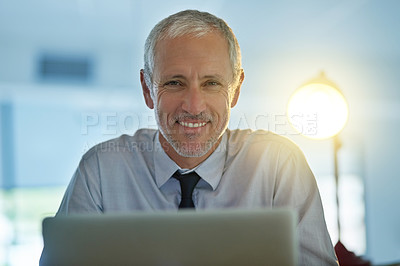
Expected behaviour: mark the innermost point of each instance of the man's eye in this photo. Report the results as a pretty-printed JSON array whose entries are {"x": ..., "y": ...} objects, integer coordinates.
[
  {"x": 212, "y": 86},
  {"x": 212, "y": 83},
  {"x": 172, "y": 83}
]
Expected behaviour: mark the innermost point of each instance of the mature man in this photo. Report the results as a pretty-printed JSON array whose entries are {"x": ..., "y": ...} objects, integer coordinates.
[{"x": 191, "y": 78}]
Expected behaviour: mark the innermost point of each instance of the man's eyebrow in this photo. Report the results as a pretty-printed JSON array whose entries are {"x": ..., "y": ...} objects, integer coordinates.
[
  {"x": 173, "y": 77},
  {"x": 216, "y": 76},
  {"x": 213, "y": 76},
  {"x": 180, "y": 76}
]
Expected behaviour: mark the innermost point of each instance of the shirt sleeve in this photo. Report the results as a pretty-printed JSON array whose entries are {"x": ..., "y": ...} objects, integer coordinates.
[
  {"x": 296, "y": 187},
  {"x": 83, "y": 194}
]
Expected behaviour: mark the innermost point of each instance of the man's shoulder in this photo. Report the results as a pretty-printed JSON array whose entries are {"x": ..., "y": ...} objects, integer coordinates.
[
  {"x": 259, "y": 139},
  {"x": 258, "y": 136},
  {"x": 142, "y": 140},
  {"x": 256, "y": 145}
]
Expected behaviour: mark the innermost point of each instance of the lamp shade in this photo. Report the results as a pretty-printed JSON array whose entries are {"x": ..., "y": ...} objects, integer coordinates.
[{"x": 318, "y": 109}]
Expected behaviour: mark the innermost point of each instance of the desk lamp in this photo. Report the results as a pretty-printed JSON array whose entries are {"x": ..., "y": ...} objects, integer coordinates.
[{"x": 322, "y": 100}]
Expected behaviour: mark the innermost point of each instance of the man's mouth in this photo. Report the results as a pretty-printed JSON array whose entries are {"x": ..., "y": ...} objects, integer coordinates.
[{"x": 191, "y": 124}]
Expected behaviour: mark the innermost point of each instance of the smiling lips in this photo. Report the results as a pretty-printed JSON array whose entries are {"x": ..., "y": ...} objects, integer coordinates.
[{"x": 192, "y": 125}]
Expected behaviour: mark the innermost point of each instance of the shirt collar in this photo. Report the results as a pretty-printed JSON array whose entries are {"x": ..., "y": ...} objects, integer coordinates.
[
  {"x": 210, "y": 170},
  {"x": 163, "y": 165}
]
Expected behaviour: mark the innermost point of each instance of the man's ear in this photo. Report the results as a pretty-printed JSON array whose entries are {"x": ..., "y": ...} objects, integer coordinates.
[
  {"x": 237, "y": 89},
  {"x": 146, "y": 91}
]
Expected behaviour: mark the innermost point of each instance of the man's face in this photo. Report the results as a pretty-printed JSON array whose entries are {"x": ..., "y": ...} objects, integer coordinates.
[{"x": 192, "y": 83}]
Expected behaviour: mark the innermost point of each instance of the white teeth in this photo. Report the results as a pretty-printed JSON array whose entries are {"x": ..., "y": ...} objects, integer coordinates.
[{"x": 185, "y": 124}]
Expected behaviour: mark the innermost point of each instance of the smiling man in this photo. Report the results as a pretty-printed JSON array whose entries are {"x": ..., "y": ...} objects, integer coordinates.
[
  {"x": 192, "y": 78},
  {"x": 192, "y": 88}
]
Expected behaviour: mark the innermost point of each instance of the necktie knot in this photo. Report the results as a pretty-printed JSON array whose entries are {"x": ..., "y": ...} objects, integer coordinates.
[{"x": 188, "y": 182}]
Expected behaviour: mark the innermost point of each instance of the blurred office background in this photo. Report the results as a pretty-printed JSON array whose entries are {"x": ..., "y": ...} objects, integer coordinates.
[{"x": 69, "y": 79}]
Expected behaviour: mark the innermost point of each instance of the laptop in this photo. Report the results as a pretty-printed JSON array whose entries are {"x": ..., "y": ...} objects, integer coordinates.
[{"x": 217, "y": 237}]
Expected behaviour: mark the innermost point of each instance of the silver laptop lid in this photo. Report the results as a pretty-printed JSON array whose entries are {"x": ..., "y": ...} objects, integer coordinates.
[{"x": 218, "y": 237}]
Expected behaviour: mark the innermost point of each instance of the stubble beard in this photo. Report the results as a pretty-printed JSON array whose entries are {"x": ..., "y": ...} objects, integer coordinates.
[{"x": 188, "y": 148}]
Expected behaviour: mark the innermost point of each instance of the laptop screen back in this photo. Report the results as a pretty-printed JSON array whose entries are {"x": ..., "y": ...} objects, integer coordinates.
[{"x": 218, "y": 237}]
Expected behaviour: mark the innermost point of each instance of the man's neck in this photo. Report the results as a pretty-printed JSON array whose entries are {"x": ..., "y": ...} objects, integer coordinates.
[{"x": 181, "y": 161}]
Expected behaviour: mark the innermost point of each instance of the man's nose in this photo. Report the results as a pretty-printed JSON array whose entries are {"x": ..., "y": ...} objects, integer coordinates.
[{"x": 194, "y": 100}]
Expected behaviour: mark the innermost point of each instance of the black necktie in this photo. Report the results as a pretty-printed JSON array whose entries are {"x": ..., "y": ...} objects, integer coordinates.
[{"x": 188, "y": 182}]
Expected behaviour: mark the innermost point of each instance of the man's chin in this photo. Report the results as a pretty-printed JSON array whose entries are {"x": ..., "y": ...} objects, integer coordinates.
[
  {"x": 190, "y": 154},
  {"x": 192, "y": 150},
  {"x": 190, "y": 146}
]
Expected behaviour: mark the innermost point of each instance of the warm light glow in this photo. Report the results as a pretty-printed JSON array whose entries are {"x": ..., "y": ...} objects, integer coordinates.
[{"x": 317, "y": 110}]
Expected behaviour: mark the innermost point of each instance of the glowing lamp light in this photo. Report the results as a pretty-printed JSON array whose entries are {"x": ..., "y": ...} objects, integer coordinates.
[
  {"x": 320, "y": 103},
  {"x": 318, "y": 109}
]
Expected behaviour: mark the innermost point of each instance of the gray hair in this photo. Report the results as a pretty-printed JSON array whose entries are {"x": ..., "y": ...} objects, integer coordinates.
[{"x": 195, "y": 23}]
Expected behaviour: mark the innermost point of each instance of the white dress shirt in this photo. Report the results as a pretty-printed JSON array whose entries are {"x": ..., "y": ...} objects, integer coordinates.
[{"x": 249, "y": 169}]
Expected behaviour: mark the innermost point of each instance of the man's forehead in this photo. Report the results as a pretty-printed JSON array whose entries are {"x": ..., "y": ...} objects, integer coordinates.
[
  {"x": 208, "y": 53},
  {"x": 214, "y": 36}
]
